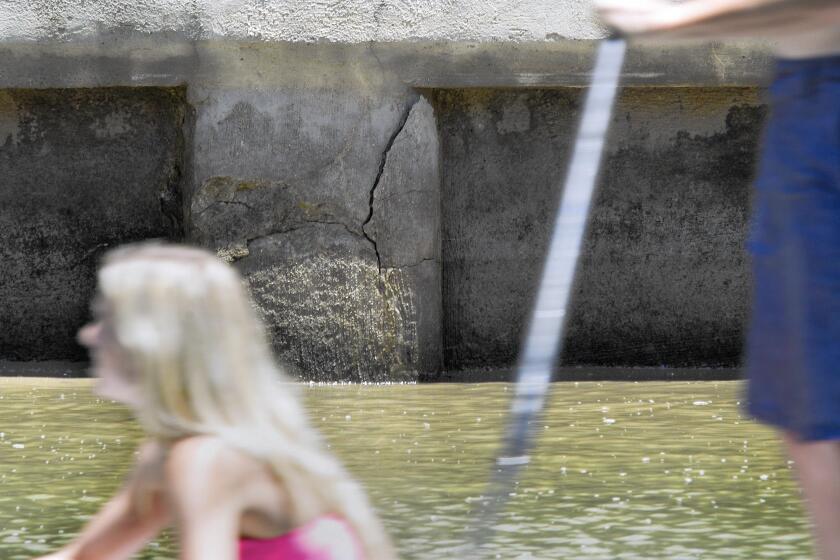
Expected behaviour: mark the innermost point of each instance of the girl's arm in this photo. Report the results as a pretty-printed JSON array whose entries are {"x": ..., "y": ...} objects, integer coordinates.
[
  {"x": 711, "y": 19},
  {"x": 119, "y": 529}
]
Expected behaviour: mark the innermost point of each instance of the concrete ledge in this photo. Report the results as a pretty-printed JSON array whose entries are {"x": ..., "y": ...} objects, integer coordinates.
[
  {"x": 44, "y": 369},
  {"x": 168, "y": 59},
  {"x": 570, "y": 63},
  {"x": 583, "y": 373},
  {"x": 594, "y": 373}
]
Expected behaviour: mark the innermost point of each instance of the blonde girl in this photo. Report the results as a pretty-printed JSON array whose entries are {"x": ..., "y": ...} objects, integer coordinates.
[{"x": 230, "y": 459}]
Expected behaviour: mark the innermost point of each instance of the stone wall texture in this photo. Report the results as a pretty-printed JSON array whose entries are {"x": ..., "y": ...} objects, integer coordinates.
[
  {"x": 663, "y": 278},
  {"x": 306, "y": 20},
  {"x": 338, "y": 234},
  {"x": 80, "y": 171},
  {"x": 382, "y": 173}
]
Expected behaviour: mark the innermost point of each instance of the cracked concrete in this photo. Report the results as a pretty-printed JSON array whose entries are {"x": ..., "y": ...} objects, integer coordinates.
[
  {"x": 315, "y": 168},
  {"x": 405, "y": 204},
  {"x": 405, "y": 219},
  {"x": 383, "y": 161},
  {"x": 314, "y": 232}
]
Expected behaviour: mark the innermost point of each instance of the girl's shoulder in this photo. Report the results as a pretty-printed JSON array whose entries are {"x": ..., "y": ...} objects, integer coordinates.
[
  {"x": 203, "y": 455},
  {"x": 202, "y": 470},
  {"x": 207, "y": 478}
]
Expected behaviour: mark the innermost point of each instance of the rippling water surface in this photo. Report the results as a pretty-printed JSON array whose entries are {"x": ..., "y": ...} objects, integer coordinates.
[{"x": 622, "y": 470}]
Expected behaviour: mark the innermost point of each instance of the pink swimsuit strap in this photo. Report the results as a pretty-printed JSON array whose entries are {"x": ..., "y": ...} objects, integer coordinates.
[{"x": 324, "y": 538}]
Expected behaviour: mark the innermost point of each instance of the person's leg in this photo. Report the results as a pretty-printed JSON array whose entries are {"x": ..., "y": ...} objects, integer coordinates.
[
  {"x": 792, "y": 349},
  {"x": 817, "y": 466}
]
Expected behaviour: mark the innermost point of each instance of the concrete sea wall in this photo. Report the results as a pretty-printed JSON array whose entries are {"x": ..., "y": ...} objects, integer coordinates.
[
  {"x": 383, "y": 175},
  {"x": 663, "y": 278},
  {"x": 81, "y": 170}
]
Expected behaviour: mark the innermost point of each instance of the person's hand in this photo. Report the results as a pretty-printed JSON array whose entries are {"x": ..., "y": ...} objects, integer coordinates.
[{"x": 639, "y": 16}]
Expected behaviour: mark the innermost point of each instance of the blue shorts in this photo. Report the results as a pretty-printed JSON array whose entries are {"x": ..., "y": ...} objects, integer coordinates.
[{"x": 793, "y": 346}]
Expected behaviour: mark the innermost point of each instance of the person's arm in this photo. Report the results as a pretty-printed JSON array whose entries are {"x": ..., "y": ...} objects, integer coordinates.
[
  {"x": 206, "y": 499},
  {"x": 120, "y": 528},
  {"x": 710, "y": 19}
]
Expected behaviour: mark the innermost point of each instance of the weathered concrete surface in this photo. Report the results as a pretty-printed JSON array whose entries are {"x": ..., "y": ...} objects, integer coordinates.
[
  {"x": 404, "y": 226},
  {"x": 569, "y": 63},
  {"x": 279, "y": 144},
  {"x": 305, "y": 194},
  {"x": 345, "y": 21},
  {"x": 663, "y": 279},
  {"x": 306, "y": 153},
  {"x": 427, "y": 43},
  {"x": 80, "y": 171},
  {"x": 330, "y": 313},
  {"x": 43, "y": 368},
  {"x": 129, "y": 58}
]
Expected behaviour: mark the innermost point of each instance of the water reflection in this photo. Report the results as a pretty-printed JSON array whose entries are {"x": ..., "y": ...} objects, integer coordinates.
[{"x": 622, "y": 470}]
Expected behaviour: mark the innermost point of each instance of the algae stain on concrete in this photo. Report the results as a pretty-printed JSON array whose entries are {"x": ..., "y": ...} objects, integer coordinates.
[
  {"x": 699, "y": 110},
  {"x": 251, "y": 185},
  {"x": 232, "y": 253},
  {"x": 9, "y": 119}
]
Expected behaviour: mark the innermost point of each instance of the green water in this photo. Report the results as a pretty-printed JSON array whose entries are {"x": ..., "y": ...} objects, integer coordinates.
[{"x": 622, "y": 470}]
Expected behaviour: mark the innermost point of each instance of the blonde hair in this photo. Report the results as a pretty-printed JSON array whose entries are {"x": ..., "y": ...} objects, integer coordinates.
[{"x": 185, "y": 323}]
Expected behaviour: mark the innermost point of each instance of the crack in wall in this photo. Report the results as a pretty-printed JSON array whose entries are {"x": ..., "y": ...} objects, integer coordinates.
[
  {"x": 413, "y": 265},
  {"x": 304, "y": 224},
  {"x": 93, "y": 252},
  {"x": 382, "y": 163}
]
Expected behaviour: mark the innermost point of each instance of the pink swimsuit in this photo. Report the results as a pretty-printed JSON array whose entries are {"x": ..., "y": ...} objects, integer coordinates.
[{"x": 325, "y": 538}]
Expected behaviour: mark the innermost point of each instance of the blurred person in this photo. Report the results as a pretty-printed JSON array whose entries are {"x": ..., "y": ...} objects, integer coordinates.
[
  {"x": 793, "y": 345},
  {"x": 231, "y": 460}
]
